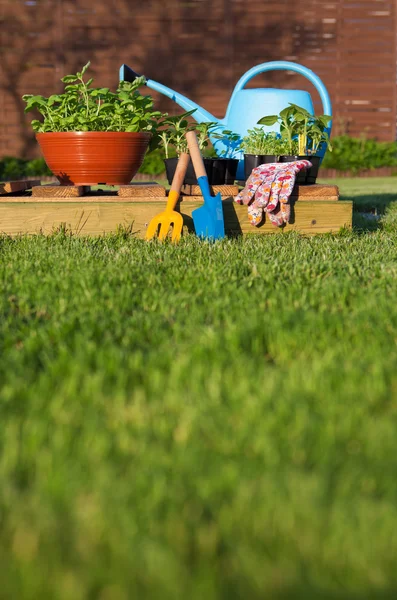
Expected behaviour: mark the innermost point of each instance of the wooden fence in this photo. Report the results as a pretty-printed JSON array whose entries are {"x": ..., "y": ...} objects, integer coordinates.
[{"x": 201, "y": 48}]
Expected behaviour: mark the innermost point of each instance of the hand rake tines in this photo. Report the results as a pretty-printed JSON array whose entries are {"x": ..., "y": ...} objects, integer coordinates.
[{"x": 161, "y": 223}]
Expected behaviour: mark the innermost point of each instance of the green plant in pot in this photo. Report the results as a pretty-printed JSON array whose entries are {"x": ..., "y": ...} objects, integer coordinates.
[
  {"x": 94, "y": 136},
  {"x": 173, "y": 139},
  {"x": 261, "y": 147},
  {"x": 304, "y": 135}
]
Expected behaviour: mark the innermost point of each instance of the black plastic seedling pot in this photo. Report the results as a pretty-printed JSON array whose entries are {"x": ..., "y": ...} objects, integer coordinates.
[
  {"x": 190, "y": 177},
  {"x": 305, "y": 177},
  {"x": 251, "y": 161},
  {"x": 224, "y": 171},
  {"x": 312, "y": 173},
  {"x": 220, "y": 171},
  {"x": 231, "y": 170},
  {"x": 301, "y": 176}
]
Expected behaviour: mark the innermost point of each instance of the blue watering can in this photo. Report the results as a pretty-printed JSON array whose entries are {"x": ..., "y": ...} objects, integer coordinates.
[{"x": 247, "y": 106}]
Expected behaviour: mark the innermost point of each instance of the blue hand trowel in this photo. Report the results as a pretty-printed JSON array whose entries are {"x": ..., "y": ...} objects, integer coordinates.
[{"x": 208, "y": 219}]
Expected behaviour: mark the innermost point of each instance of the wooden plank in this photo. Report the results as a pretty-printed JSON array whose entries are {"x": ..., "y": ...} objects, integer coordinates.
[
  {"x": 58, "y": 191},
  {"x": 306, "y": 217},
  {"x": 298, "y": 193},
  {"x": 224, "y": 190},
  {"x": 12, "y": 187},
  {"x": 137, "y": 190},
  {"x": 316, "y": 192},
  {"x": 309, "y": 217},
  {"x": 143, "y": 189},
  {"x": 92, "y": 199}
]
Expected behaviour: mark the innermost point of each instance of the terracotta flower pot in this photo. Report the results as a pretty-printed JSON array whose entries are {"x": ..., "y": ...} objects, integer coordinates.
[{"x": 94, "y": 157}]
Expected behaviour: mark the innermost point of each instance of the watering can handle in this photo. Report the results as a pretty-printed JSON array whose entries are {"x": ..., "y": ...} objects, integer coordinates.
[{"x": 281, "y": 65}]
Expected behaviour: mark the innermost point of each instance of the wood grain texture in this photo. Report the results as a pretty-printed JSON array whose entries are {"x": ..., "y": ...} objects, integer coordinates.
[
  {"x": 134, "y": 190},
  {"x": 315, "y": 192},
  {"x": 224, "y": 190},
  {"x": 102, "y": 199},
  {"x": 180, "y": 172},
  {"x": 58, "y": 191},
  {"x": 308, "y": 217},
  {"x": 12, "y": 187},
  {"x": 99, "y": 217},
  {"x": 195, "y": 154},
  {"x": 142, "y": 190}
]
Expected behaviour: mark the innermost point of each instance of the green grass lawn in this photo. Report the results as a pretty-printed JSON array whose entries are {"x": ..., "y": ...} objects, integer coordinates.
[{"x": 200, "y": 421}]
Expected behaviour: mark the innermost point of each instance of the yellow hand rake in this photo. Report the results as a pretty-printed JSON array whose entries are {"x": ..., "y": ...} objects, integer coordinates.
[{"x": 161, "y": 223}]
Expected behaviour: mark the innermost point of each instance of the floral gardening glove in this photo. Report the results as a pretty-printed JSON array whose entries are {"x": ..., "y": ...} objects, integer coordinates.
[
  {"x": 268, "y": 189},
  {"x": 257, "y": 191},
  {"x": 257, "y": 178},
  {"x": 278, "y": 208}
]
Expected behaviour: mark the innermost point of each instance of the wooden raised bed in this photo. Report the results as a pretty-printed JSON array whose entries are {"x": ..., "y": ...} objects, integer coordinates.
[{"x": 45, "y": 209}]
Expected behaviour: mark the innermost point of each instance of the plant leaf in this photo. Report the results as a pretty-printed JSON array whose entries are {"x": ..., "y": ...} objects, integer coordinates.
[
  {"x": 268, "y": 120},
  {"x": 301, "y": 111},
  {"x": 69, "y": 78},
  {"x": 83, "y": 70}
]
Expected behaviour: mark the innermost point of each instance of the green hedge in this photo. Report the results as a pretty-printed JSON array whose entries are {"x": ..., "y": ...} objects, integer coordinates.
[
  {"x": 153, "y": 163},
  {"x": 18, "y": 168},
  {"x": 354, "y": 154}
]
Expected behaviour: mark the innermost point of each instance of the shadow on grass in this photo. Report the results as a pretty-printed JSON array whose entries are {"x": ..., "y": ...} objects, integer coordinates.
[
  {"x": 371, "y": 203},
  {"x": 363, "y": 222},
  {"x": 369, "y": 209}
]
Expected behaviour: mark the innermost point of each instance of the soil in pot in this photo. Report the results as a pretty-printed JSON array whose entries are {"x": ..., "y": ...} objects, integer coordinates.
[
  {"x": 251, "y": 161},
  {"x": 94, "y": 157},
  {"x": 190, "y": 177}
]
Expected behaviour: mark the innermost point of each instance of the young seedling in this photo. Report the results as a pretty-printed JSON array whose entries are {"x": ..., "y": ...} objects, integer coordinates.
[
  {"x": 264, "y": 143},
  {"x": 173, "y": 132},
  {"x": 296, "y": 123},
  {"x": 203, "y": 132}
]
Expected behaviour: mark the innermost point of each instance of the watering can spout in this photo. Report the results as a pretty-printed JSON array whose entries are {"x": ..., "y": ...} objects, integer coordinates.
[{"x": 200, "y": 114}]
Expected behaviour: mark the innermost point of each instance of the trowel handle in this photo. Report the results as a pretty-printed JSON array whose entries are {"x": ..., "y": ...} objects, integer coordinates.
[
  {"x": 195, "y": 154},
  {"x": 177, "y": 181},
  {"x": 180, "y": 172}
]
